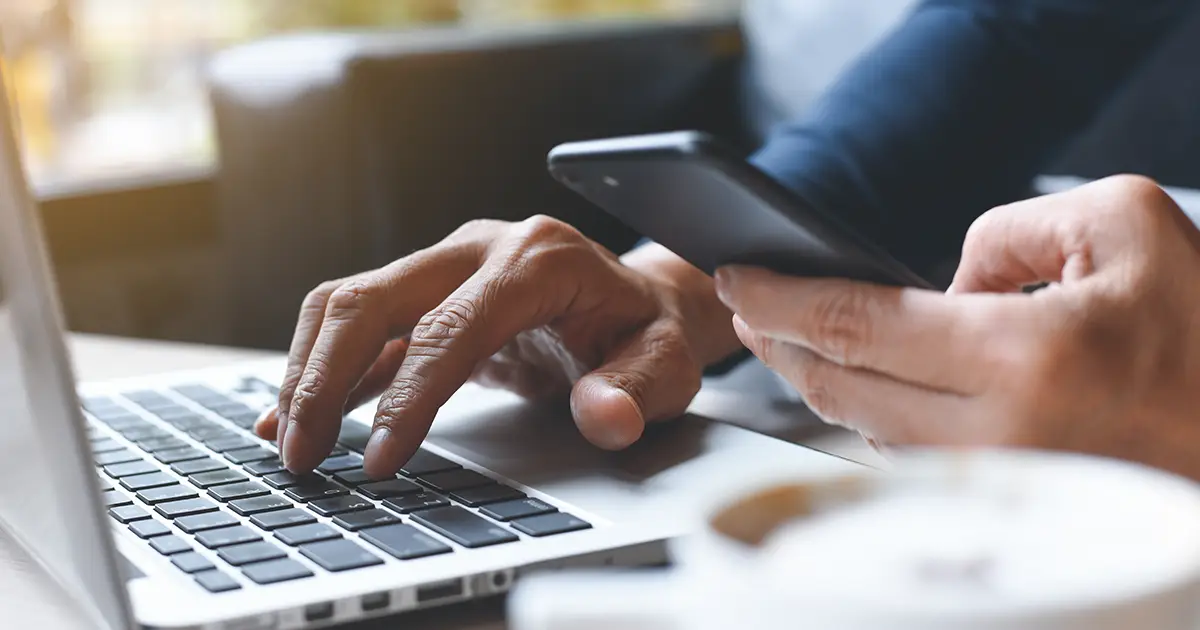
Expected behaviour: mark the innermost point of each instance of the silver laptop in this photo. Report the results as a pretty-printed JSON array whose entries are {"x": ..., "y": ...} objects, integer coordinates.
[{"x": 152, "y": 503}]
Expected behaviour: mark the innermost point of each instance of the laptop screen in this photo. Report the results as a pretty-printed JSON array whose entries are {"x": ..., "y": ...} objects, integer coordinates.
[{"x": 49, "y": 494}]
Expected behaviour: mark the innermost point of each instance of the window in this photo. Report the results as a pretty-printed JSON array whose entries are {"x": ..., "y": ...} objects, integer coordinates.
[{"x": 111, "y": 88}]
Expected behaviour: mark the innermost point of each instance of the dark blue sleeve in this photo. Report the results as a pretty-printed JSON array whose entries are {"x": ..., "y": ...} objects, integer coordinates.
[{"x": 957, "y": 110}]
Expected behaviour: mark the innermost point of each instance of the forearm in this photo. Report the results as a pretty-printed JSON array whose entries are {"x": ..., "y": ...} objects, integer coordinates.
[{"x": 957, "y": 110}]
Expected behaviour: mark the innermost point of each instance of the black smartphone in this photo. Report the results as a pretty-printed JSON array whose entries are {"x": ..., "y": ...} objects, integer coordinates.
[{"x": 694, "y": 196}]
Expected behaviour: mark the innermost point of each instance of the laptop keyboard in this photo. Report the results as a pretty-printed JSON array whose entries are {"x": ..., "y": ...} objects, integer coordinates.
[{"x": 182, "y": 470}]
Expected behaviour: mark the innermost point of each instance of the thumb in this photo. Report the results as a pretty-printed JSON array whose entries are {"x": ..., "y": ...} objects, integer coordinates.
[
  {"x": 652, "y": 376},
  {"x": 1026, "y": 243}
]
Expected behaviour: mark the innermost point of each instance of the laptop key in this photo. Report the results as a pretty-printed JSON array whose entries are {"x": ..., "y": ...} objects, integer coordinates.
[
  {"x": 187, "y": 507},
  {"x": 226, "y": 536},
  {"x": 550, "y": 524},
  {"x": 146, "y": 397},
  {"x": 404, "y": 542},
  {"x": 197, "y": 392},
  {"x": 353, "y": 477},
  {"x": 255, "y": 505},
  {"x": 283, "y": 518},
  {"x": 119, "y": 456},
  {"x": 208, "y": 480},
  {"x": 495, "y": 493},
  {"x": 348, "y": 461},
  {"x": 389, "y": 488},
  {"x": 106, "y": 445},
  {"x": 169, "y": 413},
  {"x": 254, "y": 384},
  {"x": 154, "y": 445},
  {"x": 244, "y": 420},
  {"x": 276, "y": 571},
  {"x": 137, "y": 434},
  {"x": 339, "y": 555},
  {"x": 319, "y": 489},
  {"x": 203, "y": 522},
  {"x": 424, "y": 462},
  {"x": 247, "y": 553},
  {"x": 354, "y": 521},
  {"x": 463, "y": 527},
  {"x": 283, "y": 480},
  {"x": 148, "y": 529},
  {"x": 191, "y": 562},
  {"x": 175, "y": 455},
  {"x": 116, "y": 416},
  {"x": 174, "y": 414},
  {"x": 123, "y": 420},
  {"x": 413, "y": 502},
  {"x": 98, "y": 402},
  {"x": 169, "y": 545},
  {"x": 233, "y": 410},
  {"x": 197, "y": 466},
  {"x": 452, "y": 480},
  {"x": 233, "y": 491},
  {"x": 340, "y": 505},
  {"x": 112, "y": 498},
  {"x": 521, "y": 508},
  {"x": 231, "y": 443},
  {"x": 154, "y": 496},
  {"x": 188, "y": 422},
  {"x": 302, "y": 534},
  {"x": 126, "y": 514},
  {"x": 264, "y": 467},
  {"x": 211, "y": 432},
  {"x": 116, "y": 471},
  {"x": 216, "y": 582},
  {"x": 354, "y": 435},
  {"x": 149, "y": 480},
  {"x": 245, "y": 455}
]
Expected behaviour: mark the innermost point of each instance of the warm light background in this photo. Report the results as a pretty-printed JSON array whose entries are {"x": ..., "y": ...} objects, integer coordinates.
[{"x": 112, "y": 87}]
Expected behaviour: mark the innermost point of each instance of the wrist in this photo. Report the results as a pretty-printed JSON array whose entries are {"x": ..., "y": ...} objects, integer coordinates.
[{"x": 707, "y": 320}]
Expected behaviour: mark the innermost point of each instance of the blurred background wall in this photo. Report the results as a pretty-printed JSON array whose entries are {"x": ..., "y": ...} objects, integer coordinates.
[{"x": 119, "y": 141}]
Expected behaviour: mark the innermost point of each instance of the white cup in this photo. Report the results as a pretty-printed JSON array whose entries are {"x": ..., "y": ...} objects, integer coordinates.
[{"x": 981, "y": 540}]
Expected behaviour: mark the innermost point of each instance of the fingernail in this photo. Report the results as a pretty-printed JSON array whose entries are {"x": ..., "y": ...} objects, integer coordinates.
[
  {"x": 725, "y": 279},
  {"x": 610, "y": 418},
  {"x": 281, "y": 433},
  {"x": 291, "y": 445},
  {"x": 377, "y": 444},
  {"x": 740, "y": 327}
]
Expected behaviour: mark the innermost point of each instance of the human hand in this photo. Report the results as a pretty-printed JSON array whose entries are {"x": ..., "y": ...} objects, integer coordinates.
[
  {"x": 1106, "y": 360},
  {"x": 532, "y": 306}
]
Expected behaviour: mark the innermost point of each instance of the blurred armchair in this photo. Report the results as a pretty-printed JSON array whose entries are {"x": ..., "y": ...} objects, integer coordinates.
[{"x": 341, "y": 152}]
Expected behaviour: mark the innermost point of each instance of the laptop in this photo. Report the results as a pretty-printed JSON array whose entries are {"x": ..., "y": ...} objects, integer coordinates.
[{"x": 153, "y": 505}]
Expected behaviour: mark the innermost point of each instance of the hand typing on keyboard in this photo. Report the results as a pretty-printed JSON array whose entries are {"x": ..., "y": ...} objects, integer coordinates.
[{"x": 534, "y": 307}]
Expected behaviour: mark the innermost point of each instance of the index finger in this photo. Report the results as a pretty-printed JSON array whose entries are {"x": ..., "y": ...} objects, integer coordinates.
[
  {"x": 494, "y": 305},
  {"x": 362, "y": 315},
  {"x": 916, "y": 335},
  {"x": 308, "y": 325}
]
